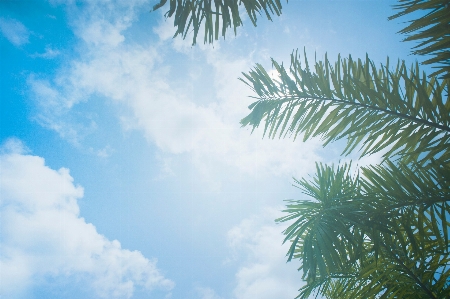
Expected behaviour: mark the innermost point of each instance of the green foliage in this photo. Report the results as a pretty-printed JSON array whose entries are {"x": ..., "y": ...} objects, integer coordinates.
[
  {"x": 382, "y": 232},
  {"x": 217, "y": 15},
  {"x": 432, "y": 30},
  {"x": 374, "y": 108},
  {"x": 378, "y": 234}
]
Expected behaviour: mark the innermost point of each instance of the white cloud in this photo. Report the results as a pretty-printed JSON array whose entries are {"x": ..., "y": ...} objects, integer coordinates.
[
  {"x": 53, "y": 111},
  {"x": 101, "y": 23},
  {"x": 165, "y": 28},
  {"x": 207, "y": 293},
  {"x": 264, "y": 274},
  {"x": 144, "y": 87},
  {"x": 165, "y": 165},
  {"x": 104, "y": 153},
  {"x": 129, "y": 76},
  {"x": 102, "y": 32},
  {"x": 48, "y": 54},
  {"x": 43, "y": 236},
  {"x": 14, "y": 145},
  {"x": 256, "y": 247},
  {"x": 132, "y": 78},
  {"x": 14, "y": 31}
]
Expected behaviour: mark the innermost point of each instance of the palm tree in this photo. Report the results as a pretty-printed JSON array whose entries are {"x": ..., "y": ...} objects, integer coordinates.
[{"x": 383, "y": 232}]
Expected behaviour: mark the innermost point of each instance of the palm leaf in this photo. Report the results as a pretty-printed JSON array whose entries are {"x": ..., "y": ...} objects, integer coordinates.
[
  {"x": 432, "y": 29},
  {"x": 216, "y": 15},
  {"x": 375, "y": 109},
  {"x": 381, "y": 234}
]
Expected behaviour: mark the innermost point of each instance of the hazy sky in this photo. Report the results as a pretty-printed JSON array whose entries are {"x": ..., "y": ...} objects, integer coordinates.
[{"x": 124, "y": 170}]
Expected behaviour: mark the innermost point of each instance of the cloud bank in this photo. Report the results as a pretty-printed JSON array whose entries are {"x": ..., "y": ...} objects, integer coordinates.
[
  {"x": 144, "y": 83},
  {"x": 44, "y": 237}
]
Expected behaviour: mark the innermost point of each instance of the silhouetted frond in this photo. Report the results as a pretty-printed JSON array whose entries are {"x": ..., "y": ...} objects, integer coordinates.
[
  {"x": 400, "y": 110},
  {"x": 216, "y": 15},
  {"x": 431, "y": 29},
  {"x": 380, "y": 234}
]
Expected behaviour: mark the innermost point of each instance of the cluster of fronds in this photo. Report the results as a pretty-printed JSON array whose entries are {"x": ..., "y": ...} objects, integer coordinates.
[
  {"x": 216, "y": 15},
  {"x": 380, "y": 234},
  {"x": 384, "y": 232}
]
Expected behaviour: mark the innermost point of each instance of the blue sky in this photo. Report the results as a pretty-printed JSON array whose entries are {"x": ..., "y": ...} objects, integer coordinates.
[{"x": 124, "y": 170}]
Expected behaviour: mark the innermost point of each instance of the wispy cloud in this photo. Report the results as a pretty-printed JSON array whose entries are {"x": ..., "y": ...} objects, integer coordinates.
[
  {"x": 14, "y": 145},
  {"x": 101, "y": 23},
  {"x": 49, "y": 53},
  {"x": 207, "y": 293},
  {"x": 135, "y": 76},
  {"x": 44, "y": 236},
  {"x": 14, "y": 31},
  {"x": 264, "y": 274}
]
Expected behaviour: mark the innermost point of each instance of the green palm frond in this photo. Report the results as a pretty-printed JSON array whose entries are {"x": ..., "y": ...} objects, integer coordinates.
[
  {"x": 216, "y": 15},
  {"x": 416, "y": 199},
  {"x": 375, "y": 108},
  {"x": 382, "y": 233},
  {"x": 386, "y": 278},
  {"x": 325, "y": 229},
  {"x": 431, "y": 29}
]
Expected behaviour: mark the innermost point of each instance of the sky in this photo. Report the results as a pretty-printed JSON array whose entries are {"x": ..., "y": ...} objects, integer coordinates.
[{"x": 124, "y": 172}]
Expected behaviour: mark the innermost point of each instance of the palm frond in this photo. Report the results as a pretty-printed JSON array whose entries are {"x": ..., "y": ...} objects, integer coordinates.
[
  {"x": 415, "y": 197},
  {"x": 374, "y": 108},
  {"x": 324, "y": 229},
  {"x": 431, "y": 29},
  {"x": 382, "y": 233},
  {"x": 216, "y": 15},
  {"x": 385, "y": 278}
]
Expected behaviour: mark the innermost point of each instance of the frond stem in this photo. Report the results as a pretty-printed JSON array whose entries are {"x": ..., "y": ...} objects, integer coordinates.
[
  {"x": 400, "y": 115},
  {"x": 410, "y": 273}
]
